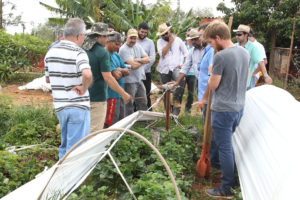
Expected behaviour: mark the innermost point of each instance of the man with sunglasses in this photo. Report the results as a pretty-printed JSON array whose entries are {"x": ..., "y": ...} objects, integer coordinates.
[
  {"x": 148, "y": 46},
  {"x": 256, "y": 58},
  {"x": 171, "y": 48},
  {"x": 99, "y": 58}
]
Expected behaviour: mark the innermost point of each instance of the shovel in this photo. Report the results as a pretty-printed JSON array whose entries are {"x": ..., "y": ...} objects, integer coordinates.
[{"x": 203, "y": 164}]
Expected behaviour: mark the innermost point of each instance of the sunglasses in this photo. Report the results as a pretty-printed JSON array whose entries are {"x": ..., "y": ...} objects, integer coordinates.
[
  {"x": 165, "y": 34},
  {"x": 239, "y": 34}
]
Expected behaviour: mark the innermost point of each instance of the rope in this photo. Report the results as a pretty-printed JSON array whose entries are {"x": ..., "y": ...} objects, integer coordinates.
[{"x": 128, "y": 187}]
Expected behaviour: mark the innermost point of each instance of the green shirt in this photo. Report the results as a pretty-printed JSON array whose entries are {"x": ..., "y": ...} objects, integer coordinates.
[
  {"x": 100, "y": 62},
  {"x": 255, "y": 58}
]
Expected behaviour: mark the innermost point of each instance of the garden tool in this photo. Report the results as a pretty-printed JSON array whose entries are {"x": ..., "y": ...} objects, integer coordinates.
[{"x": 203, "y": 164}]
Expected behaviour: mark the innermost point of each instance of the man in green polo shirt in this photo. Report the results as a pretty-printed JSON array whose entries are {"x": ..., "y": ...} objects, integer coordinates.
[
  {"x": 99, "y": 60},
  {"x": 242, "y": 34}
]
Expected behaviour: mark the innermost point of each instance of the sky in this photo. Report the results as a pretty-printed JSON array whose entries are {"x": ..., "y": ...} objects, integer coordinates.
[{"x": 33, "y": 13}]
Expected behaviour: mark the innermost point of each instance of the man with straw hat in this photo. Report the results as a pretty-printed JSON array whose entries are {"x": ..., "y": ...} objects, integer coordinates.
[
  {"x": 189, "y": 69},
  {"x": 134, "y": 55},
  {"x": 171, "y": 48},
  {"x": 100, "y": 64}
]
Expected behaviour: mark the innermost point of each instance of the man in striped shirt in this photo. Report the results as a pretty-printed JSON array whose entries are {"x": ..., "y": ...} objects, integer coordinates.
[{"x": 68, "y": 71}]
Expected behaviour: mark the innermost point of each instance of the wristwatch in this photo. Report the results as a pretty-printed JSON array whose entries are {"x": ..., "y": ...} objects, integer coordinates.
[{"x": 266, "y": 75}]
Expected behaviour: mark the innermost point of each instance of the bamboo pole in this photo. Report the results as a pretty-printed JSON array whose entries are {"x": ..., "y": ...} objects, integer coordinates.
[
  {"x": 168, "y": 110},
  {"x": 290, "y": 55}
]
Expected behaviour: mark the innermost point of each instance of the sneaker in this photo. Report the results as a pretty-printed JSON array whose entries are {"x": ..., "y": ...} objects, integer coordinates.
[{"x": 218, "y": 193}]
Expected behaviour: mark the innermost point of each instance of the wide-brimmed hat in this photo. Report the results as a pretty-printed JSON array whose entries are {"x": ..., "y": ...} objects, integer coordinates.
[
  {"x": 162, "y": 29},
  {"x": 115, "y": 36},
  {"x": 132, "y": 32},
  {"x": 91, "y": 38},
  {"x": 242, "y": 28},
  {"x": 194, "y": 33}
]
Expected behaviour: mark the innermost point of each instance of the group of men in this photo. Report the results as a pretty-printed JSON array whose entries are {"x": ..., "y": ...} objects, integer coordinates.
[{"x": 96, "y": 81}]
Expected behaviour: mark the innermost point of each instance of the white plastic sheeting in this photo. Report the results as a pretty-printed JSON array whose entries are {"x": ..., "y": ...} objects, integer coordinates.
[
  {"x": 37, "y": 84},
  {"x": 266, "y": 145},
  {"x": 77, "y": 166}
]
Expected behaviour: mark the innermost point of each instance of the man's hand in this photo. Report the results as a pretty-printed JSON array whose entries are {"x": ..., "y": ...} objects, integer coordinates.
[
  {"x": 268, "y": 80},
  {"x": 171, "y": 39},
  {"x": 117, "y": 74},
  {"x": 80, "y": 90},
  {"x": 126, "y": 97},
  {"x": 179, "y": 66},
  {"x": 201, "y": 104},
  {"x": 125, "y": 71}
]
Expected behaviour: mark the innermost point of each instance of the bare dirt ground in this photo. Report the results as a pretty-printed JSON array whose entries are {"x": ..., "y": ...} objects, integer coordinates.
[{"x": 26, "y": 97}]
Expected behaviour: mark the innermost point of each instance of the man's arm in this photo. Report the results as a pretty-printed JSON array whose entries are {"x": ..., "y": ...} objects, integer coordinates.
[
  {"x": 47, "y": 79},
  {"x": 87, "y": 79},
  {"x": 262, "y": 67},
  {"x": 166, "y": 49},
  {"x": 145, "y": 59},
  {"x": 134, "y": 63},
  {"x": 113, "y": 84}
]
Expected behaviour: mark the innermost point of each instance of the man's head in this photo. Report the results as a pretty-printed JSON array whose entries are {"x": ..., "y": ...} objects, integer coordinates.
[
  {"x": 99, "y": 33},
  {"x": 111, "y": 27},
  {"x": 216, "y": 33},
  {"x": 242, "y": 33},
  {"x": 201, "y": 30},
  {"x": 75, "y": 30},
  {"x": 114, "y": 42},
  {"x": 60, "y": 34},
  {"x": 143, "y": 30},
  {"x": 164, "y": 31},
  {"x": 194, "y": 37},
  {"x": 251, "y": 35},
  {"x": 132, "y": 35}
]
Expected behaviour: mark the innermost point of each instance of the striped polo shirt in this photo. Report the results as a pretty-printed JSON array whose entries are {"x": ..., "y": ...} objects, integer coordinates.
[{"x": 64, "y": 63}]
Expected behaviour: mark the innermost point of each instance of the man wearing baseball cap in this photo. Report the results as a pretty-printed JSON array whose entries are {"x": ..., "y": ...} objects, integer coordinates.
[
  {"x": 171, "y": 49},
  {"x": 100, "y": 64},
  {"x": 134, "y": 55},
  {"x": 242, "y": 34}
]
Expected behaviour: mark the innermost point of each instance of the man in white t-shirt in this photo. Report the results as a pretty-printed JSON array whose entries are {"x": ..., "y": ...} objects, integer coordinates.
[
  {"x": 170, "y": 49},
  {"x": 263, "y": 53}
]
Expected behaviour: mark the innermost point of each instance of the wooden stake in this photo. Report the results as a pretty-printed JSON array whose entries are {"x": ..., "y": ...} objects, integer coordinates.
[
  {"x": 168, "y": 110},
  {"x": 290, "y": 55}
]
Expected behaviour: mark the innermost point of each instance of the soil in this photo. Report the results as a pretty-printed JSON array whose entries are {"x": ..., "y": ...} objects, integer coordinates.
[{"x": 26, "y": 97}]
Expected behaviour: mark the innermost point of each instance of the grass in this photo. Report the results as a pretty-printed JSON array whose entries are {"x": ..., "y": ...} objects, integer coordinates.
[
  {"x": 21, "y": 78},
  {"x": 293, "y": 85}
]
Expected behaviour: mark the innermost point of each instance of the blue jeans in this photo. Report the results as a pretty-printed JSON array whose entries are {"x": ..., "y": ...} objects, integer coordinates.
[
  {"x": 252, "y": 83},
  {"x": 213, "y": 152},
  {"x": 224, "y": 125},
  {"x": 74, "y": 125}
]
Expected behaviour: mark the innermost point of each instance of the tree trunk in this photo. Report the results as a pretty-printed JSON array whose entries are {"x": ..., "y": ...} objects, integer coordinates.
[{"x": 1, "y": 4}]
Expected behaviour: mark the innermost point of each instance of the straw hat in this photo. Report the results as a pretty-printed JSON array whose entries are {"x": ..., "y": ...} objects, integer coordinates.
[
  {"x": 193, "y": 34},
  {"x": 162, "y": 29},
  {"x": 242, "y": 28}
]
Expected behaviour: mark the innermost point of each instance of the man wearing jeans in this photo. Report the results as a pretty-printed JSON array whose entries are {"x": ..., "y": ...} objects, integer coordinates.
[
  {"x": 68, "y": 71},
  {"x": 229, "y": 80},
  {"x": 134, "y": 55}
]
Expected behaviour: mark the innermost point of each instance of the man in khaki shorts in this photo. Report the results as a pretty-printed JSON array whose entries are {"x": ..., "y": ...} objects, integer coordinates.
[{"x": 99, "y": 60}]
